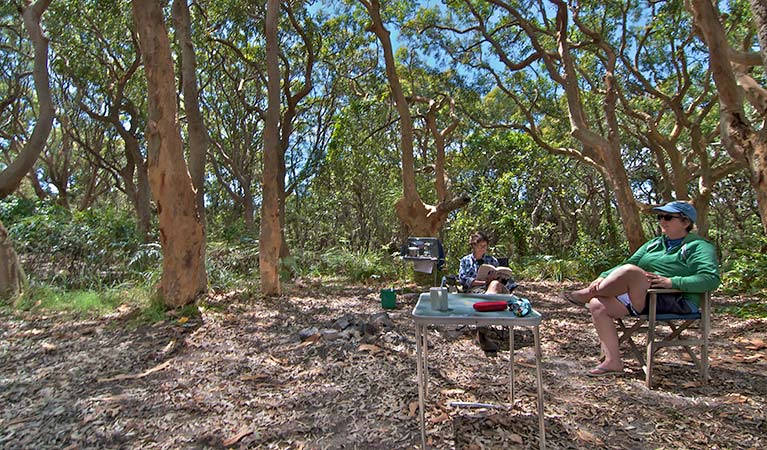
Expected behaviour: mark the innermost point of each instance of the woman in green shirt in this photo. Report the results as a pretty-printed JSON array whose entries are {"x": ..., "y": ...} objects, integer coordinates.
[{"x": 678, "y": 259}]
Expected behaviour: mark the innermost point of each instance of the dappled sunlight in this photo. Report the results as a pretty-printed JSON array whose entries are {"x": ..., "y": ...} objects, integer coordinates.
[{"x": 245, "y": 375}]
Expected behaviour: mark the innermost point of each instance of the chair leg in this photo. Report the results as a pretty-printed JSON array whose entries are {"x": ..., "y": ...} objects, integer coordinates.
[
  {"x": 650, "y": 339},
  {"x": 650, "y": 354},
  {"x": 705, "y": 330},
  {"x": 626, "y": 335}
]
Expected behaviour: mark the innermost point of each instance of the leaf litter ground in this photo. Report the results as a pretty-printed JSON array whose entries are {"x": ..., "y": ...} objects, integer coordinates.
[{"x": 326, "y": 367}]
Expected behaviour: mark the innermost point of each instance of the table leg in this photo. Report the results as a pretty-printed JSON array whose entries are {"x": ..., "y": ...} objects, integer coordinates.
[
  {"x": 511, "y": 366},
  {"x": 419, "y": 340},
  {"x": 425, "y": 344},
  {"x": 541, "y": 428}
]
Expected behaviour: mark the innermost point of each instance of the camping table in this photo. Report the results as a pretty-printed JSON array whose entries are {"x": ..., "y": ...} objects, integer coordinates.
[{"x": 461, "y": 312}]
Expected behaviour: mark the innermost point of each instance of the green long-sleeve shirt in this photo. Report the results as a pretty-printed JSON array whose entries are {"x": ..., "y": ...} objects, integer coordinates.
[{"x": 692, "y": 266}]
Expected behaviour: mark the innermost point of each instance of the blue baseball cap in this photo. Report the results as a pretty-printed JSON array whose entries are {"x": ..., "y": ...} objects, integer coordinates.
[{"x": 682, "y": 208}]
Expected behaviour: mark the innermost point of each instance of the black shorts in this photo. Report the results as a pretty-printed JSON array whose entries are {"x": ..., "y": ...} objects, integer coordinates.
[{"x": 667, "y": 303}]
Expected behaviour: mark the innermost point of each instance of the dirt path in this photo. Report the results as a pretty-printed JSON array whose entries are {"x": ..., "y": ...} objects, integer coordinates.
[{"x": 246, "y": 376}]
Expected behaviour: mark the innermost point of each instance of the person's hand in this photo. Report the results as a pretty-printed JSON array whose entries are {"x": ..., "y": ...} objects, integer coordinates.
[
  {"x": 658, "y": 281},
  {"x": 595, "y": 285}
]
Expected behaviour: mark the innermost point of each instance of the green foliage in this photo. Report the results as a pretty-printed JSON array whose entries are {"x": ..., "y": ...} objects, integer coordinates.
[
  {"x": 748, "y": 310},
  {"x": 289, "y": 268},
  {"x": 343, "y": 161},
  {"x": 548, "y": 268},
  {"x": 746, "y": 271},
  {"x": 147, "y": 307},
  {"x": 349, "y": 203},
  {"x": 88, "y": 249},
  {"x": 230, "y": 264},
  {"x": 15, "y": 208},
  {"x": 357, "y": 265},
  {"x": 595, "y": 256},
  {"x": 525, "y": 199},
  {"x": 154, "y": 310},
  {"x": 81, "y": 302}
]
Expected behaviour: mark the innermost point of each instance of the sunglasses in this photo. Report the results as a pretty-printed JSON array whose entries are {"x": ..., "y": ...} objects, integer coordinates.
[{"x": 668, "y": 217}]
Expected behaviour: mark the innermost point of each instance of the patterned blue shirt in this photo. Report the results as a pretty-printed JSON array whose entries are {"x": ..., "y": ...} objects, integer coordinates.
[{"x": 467, "y": 272}]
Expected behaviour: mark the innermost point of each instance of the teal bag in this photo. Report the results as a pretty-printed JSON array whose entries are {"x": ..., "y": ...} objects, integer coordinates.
[{"x": 520, "y": 306}]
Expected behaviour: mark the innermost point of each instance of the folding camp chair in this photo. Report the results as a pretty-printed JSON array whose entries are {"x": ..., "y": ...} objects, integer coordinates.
[{"x": 677, "y": 324}]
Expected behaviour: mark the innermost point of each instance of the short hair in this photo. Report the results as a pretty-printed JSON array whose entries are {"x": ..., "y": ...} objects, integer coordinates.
[{"x": 478, "y": 237}]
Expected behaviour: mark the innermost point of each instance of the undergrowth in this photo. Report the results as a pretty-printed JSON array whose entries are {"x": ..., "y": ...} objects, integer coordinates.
[{"x": 92, "y": 262}]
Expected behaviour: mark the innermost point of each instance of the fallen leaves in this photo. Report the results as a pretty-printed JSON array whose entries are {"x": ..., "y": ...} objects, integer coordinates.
[
  {"x": 373, "y": 349},
  {"x": 442, "y": 417},
  {"x": 751, "y": 343},
  {"x": 589, "y": 437},
  {"x": 242, "y": 372},
  {"x": 254, "y": 377},
  {"x": 48, "y": 347},
  {"x": 236, "y": 438},
  {"x": 154, "y": 369},
  {"x": 750, "y": 351},
  {"x": 752, "y": 358},
  {"x": 412, "y": 409},
  {"x": 735, "y": 399},
  {"x": 517, "y": 439}
]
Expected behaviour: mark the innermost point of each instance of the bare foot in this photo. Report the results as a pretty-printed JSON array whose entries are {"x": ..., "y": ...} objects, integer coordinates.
[{"x": 602, "y": 371}]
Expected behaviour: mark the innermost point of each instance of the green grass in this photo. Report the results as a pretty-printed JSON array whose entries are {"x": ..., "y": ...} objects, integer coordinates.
[
  {"x": 80, "y": 302},
  {"x": 144, "y": 306}
]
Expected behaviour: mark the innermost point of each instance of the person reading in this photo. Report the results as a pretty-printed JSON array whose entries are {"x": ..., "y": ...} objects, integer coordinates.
[
  {"x": 678, "y": 259},
  {"x": 493, "y": 280}
]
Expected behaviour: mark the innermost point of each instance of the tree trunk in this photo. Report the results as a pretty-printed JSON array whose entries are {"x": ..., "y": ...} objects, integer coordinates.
[
  {"x": 608, "y": 149},
  {"x": 12, "y": 277},
  {"x": 198, "y": 133},
  {"x": 12, "y": 175},
  {"x": 11, "y": 274},
  {"x": 270, "y": 238},
  {"x": 139, "y": 192},
  {"x": 741, "y": 140},
  {"x": 624, "y": 197},
  {"x": 417, "y": 218},
  {"x": 181, "y": 232}
]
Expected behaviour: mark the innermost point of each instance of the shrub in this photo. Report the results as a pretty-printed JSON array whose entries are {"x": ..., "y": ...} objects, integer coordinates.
[
  {"x": 229, "y": 264},
  {"x": 745, "y": 272},
  {"x": 74, "y": 250},
  {"x": 357, "y": 266},
  {"x": 549, "y": 268}
]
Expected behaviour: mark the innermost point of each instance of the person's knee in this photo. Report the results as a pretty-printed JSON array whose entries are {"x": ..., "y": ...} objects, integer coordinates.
[
  {"x": 635, "y": 276},
  {"x": 496, "y": 287},
  {"x": 630, "y": 269},
  {"x": 597, "y": 308}
]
